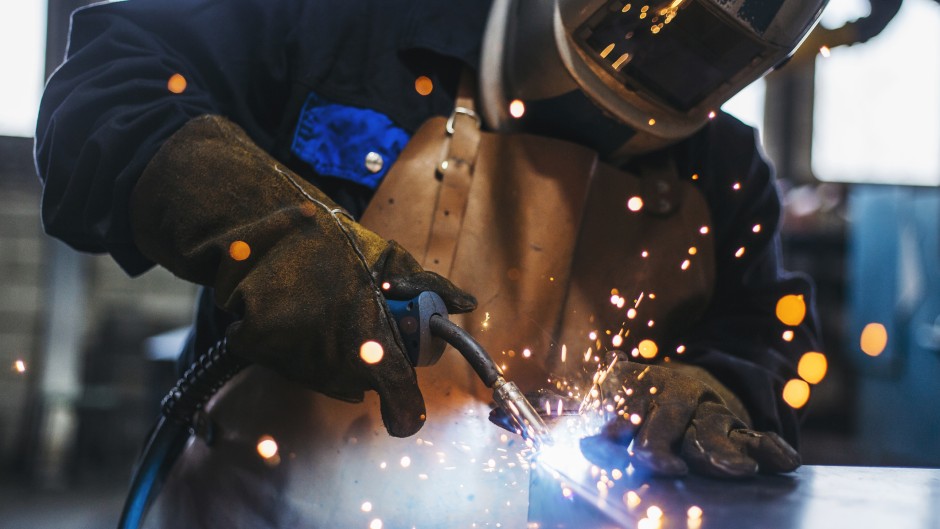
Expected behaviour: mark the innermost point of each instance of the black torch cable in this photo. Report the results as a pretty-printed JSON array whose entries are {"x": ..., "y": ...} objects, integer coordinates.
[
  {"x": 174, "y": 427},
  {"x": 461, "y": 340}
]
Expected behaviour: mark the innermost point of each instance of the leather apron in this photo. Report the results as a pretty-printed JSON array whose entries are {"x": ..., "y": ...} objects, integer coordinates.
[{"x": 557, "y": 248}]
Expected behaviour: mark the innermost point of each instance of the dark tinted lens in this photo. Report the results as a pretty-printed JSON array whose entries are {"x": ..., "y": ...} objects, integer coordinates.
[{"x": 681, "y": 54}]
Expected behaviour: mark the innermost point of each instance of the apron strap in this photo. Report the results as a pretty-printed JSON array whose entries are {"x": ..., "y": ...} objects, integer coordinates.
[{"x": 456, "y": 174}]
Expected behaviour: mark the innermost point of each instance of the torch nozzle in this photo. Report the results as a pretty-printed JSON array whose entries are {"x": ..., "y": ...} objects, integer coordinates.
[{"x": 521, "y": 413}]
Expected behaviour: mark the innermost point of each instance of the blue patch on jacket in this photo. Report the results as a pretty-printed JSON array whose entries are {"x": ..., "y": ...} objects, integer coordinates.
[{"x": 335, "y": 140}]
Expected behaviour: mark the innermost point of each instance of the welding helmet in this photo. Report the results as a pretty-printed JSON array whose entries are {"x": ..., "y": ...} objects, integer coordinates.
[{"x": 632, "y": 76}]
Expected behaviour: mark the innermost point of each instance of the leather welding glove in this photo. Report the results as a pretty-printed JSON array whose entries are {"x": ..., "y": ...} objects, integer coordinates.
[
  {"x": 304, "y": 280},
  {"x": 680, "y": 418}
]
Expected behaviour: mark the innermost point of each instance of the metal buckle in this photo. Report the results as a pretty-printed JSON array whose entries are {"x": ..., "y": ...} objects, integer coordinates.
[{"x": 449, "y": 127}]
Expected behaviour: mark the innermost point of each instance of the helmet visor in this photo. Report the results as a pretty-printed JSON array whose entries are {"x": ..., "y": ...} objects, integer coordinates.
[{"x": 678, "y": 52}]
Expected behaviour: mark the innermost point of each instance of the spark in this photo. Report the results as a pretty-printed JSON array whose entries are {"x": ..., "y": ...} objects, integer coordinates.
[
  {"x": 176, "y": 84},
  {"x": 383, "y": 465},
  {"x": 621, "y": 61},
  {"x": 526, "y": 353},
  {"x": 825, "y": 51},
  {"x": 636, "y": 419},
  {"x": 592, "y": 335},
  {"x": 740, "y": 253},
  {"x": 680, "y": 349},
  {"x": 650, "y": 323},
  {"x": 787, "y": 336},
  {"x": 621, "y": 302},
  {"x": 635, "y": 204},
  {"x": 695, "y": 176},
  {"x": 424, "y": 86},
  {"x": 736, "y": 186},
  {"x": 812, "y": 367},
  {"x": 874, "y": 339},
  {"x": 712, "y": 114},
  {"x": 366, "y": 506},
  {"x": 371, "y": 352},
  {"x": 791, "y": 309},
  {"x": 386, "y": 285},
  {"x": 632, "y": 499},
  {"x": 617, "y": 340},
  {"x": 517, "y": 108},
  {"x": 654, "y": 513},
  {"x": 267, "y": 447},
  {"x": 566, "y": 492},
  {"x": 626, "y": 8},
  {"x": 686, "y": 264},
  {"x": 796, "y": 393},
  {"x": 239, "y": 250},
  {"x": 405, "y": 462},
  {"x": 694, "y": 512},
  {"x": 648, "y": 349},
  {"x": 646, "y": 523},
  {"x": 564, "y": 353},
  {"x": 703, "y": 230},
  {"x": 693, "y": 250},
  {"x": 652, "y": 122},
  {"x": 19, "y": 366},
  {"x": 631, "y": 313},
  {"x": 560, "y": 407},
  {"x": 756, "y": 228},
  {"x": 486, "y": 320},
  {"x": 375, "y": 524}
]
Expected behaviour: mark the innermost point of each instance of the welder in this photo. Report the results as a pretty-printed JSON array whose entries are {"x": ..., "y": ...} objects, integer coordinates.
[{"x": 565, "y": 163}]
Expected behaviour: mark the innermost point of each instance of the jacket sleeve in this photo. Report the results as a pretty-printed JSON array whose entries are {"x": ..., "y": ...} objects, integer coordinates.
[
  {"x": 108, "y": 107},
  {"x": 740, "y": 340}
]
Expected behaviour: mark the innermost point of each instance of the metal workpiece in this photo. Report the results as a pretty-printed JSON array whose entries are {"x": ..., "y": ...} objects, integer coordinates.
[
  {"x": 520, "y": 412},
  {"x": 812, "y": 497}
]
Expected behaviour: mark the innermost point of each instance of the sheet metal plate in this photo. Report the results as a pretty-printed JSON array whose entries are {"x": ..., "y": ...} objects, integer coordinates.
[{"x": 812, "y": 497}]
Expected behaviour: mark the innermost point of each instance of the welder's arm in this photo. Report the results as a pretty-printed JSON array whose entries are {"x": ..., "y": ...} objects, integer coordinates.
[{"x": 304, "y": 280}]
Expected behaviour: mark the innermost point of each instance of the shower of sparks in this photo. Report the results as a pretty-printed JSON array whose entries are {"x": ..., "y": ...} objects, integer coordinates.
[{"x": 19, "y": 366}]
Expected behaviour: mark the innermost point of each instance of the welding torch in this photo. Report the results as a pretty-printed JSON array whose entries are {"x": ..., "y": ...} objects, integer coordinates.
[{"x": 425, "y": 330}]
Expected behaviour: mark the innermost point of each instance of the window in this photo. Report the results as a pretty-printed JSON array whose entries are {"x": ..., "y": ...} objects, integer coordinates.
[{"x": 22, "y": 61}]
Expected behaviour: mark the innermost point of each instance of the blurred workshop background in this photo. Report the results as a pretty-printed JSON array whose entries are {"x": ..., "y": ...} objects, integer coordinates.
[{"x": 852, "y": 124}]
